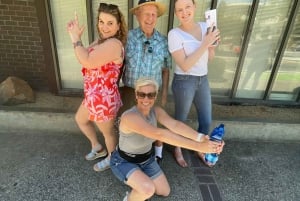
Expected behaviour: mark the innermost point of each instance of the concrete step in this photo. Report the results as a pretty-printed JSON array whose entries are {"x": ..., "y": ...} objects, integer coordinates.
[{"x": 64, "y": 122}]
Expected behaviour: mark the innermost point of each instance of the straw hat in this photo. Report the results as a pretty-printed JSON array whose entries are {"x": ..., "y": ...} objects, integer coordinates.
[{"x": 160, "y": 7}]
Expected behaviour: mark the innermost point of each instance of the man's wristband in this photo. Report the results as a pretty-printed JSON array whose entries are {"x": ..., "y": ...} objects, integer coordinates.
[{"x": 77, "y": 43}]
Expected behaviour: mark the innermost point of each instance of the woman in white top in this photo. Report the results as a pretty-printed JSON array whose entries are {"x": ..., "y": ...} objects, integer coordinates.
[{"x": 191, "y": 47}]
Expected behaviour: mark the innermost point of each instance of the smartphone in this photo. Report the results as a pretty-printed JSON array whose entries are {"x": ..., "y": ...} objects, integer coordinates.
[
  {"x": 211, "y": 17},
  {"x": 211, "y": 21}
]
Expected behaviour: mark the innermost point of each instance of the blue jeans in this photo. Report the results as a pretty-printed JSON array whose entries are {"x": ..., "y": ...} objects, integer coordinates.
[{"x": 188, "y": 89}]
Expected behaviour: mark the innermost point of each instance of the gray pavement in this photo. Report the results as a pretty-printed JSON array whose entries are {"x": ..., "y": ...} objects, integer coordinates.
[
  {"x": 259, "y": 171},
  {"x": 42, "y": 153},
  {"x": 50, "y": 166}
]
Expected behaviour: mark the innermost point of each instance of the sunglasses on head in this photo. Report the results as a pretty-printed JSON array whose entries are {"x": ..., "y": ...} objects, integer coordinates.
[
  {"x": 107, "y": 7},
  {"x": 143, "y": 95}
]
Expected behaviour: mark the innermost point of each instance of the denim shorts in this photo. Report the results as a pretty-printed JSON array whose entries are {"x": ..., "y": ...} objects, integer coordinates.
[{"x": 122, "y": 169}]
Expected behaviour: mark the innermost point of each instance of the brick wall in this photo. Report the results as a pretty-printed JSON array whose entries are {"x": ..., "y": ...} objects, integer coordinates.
[{"x": 21, "y": 51}]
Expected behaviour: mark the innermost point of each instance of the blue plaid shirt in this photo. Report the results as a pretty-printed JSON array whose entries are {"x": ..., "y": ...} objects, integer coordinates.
[{"x": 145, "y": 57}]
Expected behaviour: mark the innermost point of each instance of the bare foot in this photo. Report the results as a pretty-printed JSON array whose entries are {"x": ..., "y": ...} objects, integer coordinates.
[
  {"x": 179, "y": 157},
  {"x": 202, "y": 157}
]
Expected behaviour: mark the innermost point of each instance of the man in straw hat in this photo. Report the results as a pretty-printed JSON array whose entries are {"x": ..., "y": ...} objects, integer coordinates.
[{"x": 147, "y": 55}]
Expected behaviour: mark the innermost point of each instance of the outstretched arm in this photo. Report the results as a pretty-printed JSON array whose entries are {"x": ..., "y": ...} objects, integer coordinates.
[
  {"x": 176, "y": 126},
  {"x": 132, "y": 122}
]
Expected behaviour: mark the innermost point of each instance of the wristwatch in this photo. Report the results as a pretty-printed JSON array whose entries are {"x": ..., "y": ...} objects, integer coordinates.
[{"x": 77, "y": 43}]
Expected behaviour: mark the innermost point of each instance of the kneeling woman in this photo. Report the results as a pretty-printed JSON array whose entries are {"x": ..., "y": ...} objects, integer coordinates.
[{"x": 133, "y": 161}]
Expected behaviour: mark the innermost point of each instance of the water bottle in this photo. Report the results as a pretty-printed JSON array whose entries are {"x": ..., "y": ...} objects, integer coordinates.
[{"x": 216, "y": 135}]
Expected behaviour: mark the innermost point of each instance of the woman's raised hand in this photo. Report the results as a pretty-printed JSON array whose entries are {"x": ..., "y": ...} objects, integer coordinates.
[{"x": 75, "y": 31}]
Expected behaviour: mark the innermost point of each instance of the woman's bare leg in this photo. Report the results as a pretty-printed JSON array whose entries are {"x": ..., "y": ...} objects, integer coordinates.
[
  {"x": 107, "y": 129},
  {"x": 143, "y": 187},
  {"x": 86, "y": 126}
]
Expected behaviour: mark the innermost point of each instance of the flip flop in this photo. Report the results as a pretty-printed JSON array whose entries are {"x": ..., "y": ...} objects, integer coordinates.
[{"x": 96, "y": 154}]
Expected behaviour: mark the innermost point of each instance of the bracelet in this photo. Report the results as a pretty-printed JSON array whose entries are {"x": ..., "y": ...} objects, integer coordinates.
[
  {"x": 77, "y": 43},
  {"x": 199, "y": 137}
]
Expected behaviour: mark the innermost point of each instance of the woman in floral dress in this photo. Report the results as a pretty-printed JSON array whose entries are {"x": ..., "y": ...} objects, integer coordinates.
[{"x": 102, "y": 62}]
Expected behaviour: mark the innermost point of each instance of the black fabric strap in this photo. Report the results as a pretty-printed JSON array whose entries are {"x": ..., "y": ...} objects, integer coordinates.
[{"x": 136, "y": 158}]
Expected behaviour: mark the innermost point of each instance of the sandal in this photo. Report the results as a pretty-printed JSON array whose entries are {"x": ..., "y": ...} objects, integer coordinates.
[
  {"x": 102, "y": 165},
  {"x": 202, "y": 157},
  {"x": 96, "y": 154}
]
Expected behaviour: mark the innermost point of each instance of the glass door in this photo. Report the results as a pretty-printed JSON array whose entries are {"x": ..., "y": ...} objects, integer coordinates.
[{"x": 287, "y": 82}]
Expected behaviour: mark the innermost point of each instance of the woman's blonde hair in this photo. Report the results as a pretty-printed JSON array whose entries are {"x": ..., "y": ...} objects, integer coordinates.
[{"x": 145, "y": 81}]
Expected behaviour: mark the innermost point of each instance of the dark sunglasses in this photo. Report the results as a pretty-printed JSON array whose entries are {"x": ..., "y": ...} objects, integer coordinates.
[
  {"x": 147, "y": 45},
  {"x": 143, "y": 95}
]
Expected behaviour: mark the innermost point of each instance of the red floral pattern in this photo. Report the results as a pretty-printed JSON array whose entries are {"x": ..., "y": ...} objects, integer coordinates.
[{"x": 101, "y": 94}]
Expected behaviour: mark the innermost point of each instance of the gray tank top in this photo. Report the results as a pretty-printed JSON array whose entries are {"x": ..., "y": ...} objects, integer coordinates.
[{"x": 135, "y": 143}]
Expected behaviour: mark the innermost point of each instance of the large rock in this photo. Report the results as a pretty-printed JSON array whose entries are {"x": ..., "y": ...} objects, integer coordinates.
[{"x": 15, "y": 91}]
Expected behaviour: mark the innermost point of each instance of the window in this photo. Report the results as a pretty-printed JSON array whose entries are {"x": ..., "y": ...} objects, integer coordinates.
[
  {"x": 232, "y": 18},
  {"x": 62, "y": 12},
  {"x": 264, "y": 38},
  {"x": 287, "y": 83},
  {"x": 269, "y": 24}
]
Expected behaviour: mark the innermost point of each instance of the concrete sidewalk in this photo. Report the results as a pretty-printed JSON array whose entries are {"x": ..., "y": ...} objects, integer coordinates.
[
  {"x": 42, "y": 153},
  {"x": 50, "y": 166}
]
